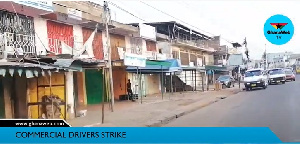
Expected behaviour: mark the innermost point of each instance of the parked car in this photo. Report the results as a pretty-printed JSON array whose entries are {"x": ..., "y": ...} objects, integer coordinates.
[
  {"x": 277, "y": 76},
  {"x": 290, "y": 76},
  {"x": 255, "y": 78},
  {"x": 226, "y": 80}
]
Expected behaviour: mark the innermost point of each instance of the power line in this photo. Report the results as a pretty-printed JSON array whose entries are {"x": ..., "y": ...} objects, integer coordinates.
[
  {"x": 182, "y": 21},
  {"x": 113, "y": 4}
]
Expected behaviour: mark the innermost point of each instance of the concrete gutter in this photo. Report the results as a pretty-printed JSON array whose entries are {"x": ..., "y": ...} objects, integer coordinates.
[{"x": 167, "y": 118}]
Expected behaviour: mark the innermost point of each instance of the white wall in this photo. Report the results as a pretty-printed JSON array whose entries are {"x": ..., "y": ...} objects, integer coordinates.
[
  {"x": 78, "y": 37},
  {"x": 41, "y": 36}
]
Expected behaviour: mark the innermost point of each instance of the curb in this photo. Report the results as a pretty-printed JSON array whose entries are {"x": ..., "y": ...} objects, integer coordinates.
[{"x": 174, "y": 115}]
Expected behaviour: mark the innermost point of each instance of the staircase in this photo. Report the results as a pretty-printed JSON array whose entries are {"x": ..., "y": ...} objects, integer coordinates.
[{"x": 184, "y": 82}]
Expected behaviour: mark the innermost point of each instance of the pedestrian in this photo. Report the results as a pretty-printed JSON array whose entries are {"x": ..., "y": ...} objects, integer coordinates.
[{"x": 129, "y": 90}]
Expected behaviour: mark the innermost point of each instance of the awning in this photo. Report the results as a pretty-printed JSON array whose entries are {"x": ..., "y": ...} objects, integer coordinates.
[
  {"x": 80, "y": 64},
  {"x": 31, "y": 70},
  {"x": 158, "y": 66},
  {"x": 215, "y": 68},
  {"x": 188, "y": 68}
]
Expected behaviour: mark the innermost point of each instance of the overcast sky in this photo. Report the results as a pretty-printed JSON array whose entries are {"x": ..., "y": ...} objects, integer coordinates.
[{"x": 233, "y": 20}]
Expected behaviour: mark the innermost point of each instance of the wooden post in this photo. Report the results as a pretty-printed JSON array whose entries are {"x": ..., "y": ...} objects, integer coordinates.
[
  {"x": 107, "y": 19},
  {"x": 103, "y": 92}
]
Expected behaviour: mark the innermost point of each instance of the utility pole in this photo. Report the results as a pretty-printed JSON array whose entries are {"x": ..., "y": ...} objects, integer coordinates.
[
  {"x": 266, "y": 63},
  {"x": 107, "y": 20}
]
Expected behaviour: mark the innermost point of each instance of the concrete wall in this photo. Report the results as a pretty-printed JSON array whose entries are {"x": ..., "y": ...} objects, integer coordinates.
[
  {"x": 41, "y": 36},
  {"x": 70, "y": 94}
]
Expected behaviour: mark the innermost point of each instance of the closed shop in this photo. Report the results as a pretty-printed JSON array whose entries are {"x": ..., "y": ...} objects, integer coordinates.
[
  {"x": 94, "y": 86},
  {"x": 97, "y": 42},
  {"x": 58, "y": 32},
  {"x": 119, "y": 73},
  {"x": 39, "y": 87}
]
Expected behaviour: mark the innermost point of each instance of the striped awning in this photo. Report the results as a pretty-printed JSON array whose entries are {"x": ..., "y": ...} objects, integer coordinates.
[{"x": 29, "y": 69}]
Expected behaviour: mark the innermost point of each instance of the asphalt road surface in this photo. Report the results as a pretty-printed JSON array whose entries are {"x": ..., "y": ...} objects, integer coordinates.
[{"x": 277, "y": 107}]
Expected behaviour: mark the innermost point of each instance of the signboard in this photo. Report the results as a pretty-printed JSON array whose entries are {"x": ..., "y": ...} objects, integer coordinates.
[
  {"x": 134, "y": 60},
  {"x": 42, "y": 5},
  {"x": 161, "y": 56},
  {"x": 147, "y": 32},
  {"x": 74, "y": 14},
  {"x": 235, "y": 60}
]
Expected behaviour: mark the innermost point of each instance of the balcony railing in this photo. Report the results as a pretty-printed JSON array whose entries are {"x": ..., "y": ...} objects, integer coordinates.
[
  {"x": 17, "y": 45},
  {"x": 201, "y": 44}
]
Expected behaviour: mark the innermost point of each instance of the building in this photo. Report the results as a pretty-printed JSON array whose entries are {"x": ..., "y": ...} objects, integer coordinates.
[
  {"x": 193, "y": 49},
  {"x": 276, "y": 60},
  {"x": 66, "y": 40}
]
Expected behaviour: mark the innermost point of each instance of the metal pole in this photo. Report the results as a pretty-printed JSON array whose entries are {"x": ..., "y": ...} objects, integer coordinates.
[
  {"x": 202, "y": 77},
  {"x": 162, "y": 82},
  {"x": 195, "y": 80},
  {"x": 140, "y": 87},
  {"x": 207, "y": 81},
  {"x": 171, "y": 82},
  {"x": 192, "y": 80},
  {"x": 266, "y": 63},
  {"x": 136, "y": 86},
  {"x": 239, "y": 76},
  {"x": 107, "y": 19},
  {"x": 185, "y": 80}
]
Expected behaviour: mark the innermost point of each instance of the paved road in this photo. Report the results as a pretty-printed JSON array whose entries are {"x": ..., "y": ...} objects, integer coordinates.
[{"x": 277, "y": 107}]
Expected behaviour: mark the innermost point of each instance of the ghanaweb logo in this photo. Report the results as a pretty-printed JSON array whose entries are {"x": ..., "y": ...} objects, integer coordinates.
[{"x": 278, "y": 26}]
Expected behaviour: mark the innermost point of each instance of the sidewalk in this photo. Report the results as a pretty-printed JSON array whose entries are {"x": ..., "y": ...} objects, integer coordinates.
[{"x": 153, "y": 111}]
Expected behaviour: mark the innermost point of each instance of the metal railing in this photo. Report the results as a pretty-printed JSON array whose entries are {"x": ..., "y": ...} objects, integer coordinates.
[{"x": 17, "y": 44}]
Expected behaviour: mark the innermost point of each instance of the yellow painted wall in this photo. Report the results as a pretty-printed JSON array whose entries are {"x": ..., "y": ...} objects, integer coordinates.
[{"x": 40, "y": 87}]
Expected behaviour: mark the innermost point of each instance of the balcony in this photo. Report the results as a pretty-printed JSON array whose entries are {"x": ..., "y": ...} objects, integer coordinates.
[
  {"x": 16, "y": 45},
  {"x": 193, "y": 44}
]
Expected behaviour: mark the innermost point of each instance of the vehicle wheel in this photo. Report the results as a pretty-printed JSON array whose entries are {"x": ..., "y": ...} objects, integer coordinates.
[
  {"x": 248, "y": 89},
  {"x": 294, "y": 79},
  {"x": 228, "y": 85},
  {"x": 265, "y": 86},
  {"x": 283, "y": 82}
]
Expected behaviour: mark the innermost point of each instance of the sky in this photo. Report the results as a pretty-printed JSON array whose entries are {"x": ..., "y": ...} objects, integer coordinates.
[{"x": 233, "y": 20}]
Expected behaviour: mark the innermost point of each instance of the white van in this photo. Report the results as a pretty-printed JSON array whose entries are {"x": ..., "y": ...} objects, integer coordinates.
[
  {"x": 277, "y": 76},
  {"x": 255, "y": 78}
]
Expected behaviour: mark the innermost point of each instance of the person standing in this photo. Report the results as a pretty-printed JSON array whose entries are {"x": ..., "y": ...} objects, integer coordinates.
[{"x": 129, "y": 90}]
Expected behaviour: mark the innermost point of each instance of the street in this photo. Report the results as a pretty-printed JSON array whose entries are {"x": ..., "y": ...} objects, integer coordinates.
[{"x": 277, "y": 107}]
